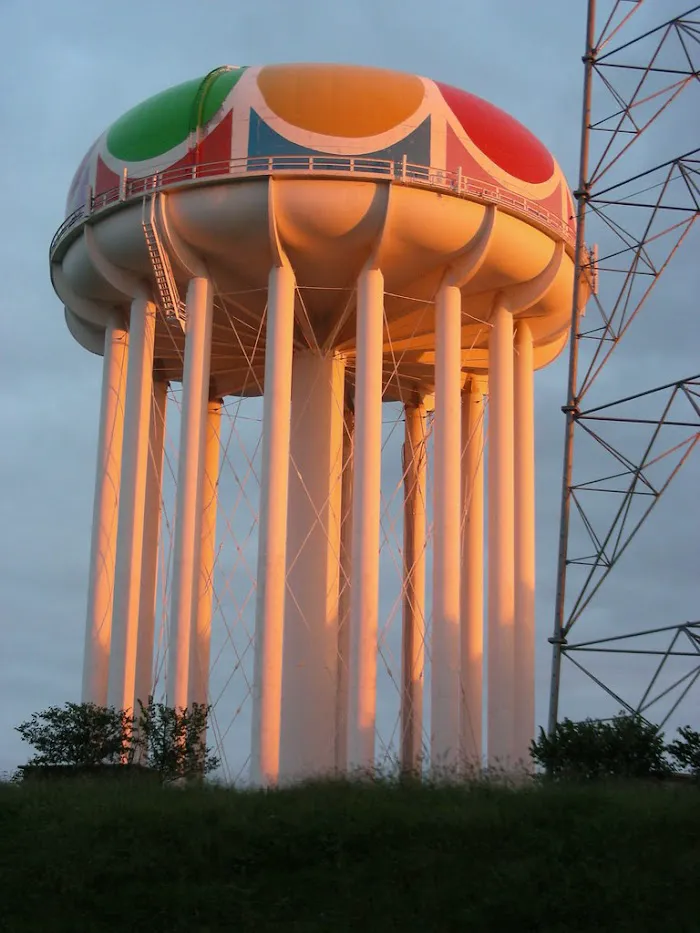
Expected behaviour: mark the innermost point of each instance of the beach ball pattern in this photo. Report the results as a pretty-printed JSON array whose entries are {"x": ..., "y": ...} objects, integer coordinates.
[{"x": 370, "y": 115}]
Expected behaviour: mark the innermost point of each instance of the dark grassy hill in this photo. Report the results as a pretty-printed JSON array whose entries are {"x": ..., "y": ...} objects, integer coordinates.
[{"x": 85, "y": 858}]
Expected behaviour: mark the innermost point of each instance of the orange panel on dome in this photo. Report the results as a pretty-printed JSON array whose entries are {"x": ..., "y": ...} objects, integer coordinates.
[
  {"x": 340, "y": 100},
  {"x": 500, "y": 137}
]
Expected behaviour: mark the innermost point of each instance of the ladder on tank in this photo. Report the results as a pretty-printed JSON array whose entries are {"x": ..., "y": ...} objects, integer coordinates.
[{"x": 171, "y": 305}]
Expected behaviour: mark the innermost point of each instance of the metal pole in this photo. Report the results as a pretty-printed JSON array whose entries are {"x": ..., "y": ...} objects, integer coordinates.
[
  {"x": 200, "y": 646},
  {"x": 272, "y": 536},
  {"x": 472, "y": 596},
  {"x": 190, "y": 472},
  {"x": 447, "y": 453},
  {"x": 341, "y": 713},
  {"x": 132, "y": 500},
  {"x": 364, "y": 572},
  {"x": 524, "y": 673},
  {"x": 98, "y": 631},
  {"x": 151, "y": 546},
  {"x": 501, "y": 542},
  {"x": 582, "y": 194},
  {"x": 413, "y": 622}
]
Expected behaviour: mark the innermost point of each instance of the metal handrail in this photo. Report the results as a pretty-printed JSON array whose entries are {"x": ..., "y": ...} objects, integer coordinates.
[{"x": 130, "y": 189}]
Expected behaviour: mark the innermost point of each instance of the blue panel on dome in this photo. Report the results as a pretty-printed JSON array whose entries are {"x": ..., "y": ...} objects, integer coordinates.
[{"x": 264, "y": 142}]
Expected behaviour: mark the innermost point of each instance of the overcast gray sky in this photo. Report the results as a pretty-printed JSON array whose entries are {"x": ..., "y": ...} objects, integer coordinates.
[{"x": 68, "y": 70}]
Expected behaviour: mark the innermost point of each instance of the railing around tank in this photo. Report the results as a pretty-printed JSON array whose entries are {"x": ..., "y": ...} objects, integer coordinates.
[{"x": 453, "y": 182}]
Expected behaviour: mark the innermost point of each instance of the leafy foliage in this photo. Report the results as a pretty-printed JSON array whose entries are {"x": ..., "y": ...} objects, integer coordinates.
[
  {"x": 686, "y": 751},
  {"x": 173, "y": 741},
  {"x": 86, "y": 736},
  {"x": 80, "y": 734},
  {"x": 626, "y": 746}
]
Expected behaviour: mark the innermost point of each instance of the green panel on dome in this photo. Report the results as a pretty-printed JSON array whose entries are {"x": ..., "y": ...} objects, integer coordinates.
[
  {"x": 216, "y": 87},
  {"x": 164, "y": 121}
]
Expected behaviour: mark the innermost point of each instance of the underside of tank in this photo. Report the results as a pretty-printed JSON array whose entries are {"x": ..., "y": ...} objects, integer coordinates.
[{"x": 328, "y": 230}]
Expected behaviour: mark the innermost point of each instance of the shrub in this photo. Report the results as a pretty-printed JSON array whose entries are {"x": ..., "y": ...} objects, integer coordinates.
[
  {"x": 80, "y": 734},
  {"x": 83, "y": 739},
  {"x": 686, "y": 751},
  {"x": 626, "y": 746},
  {"x": 173, "y": 741}
]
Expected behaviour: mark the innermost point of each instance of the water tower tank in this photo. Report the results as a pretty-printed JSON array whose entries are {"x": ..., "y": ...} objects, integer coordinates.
[{"x": 329, "y": 237}]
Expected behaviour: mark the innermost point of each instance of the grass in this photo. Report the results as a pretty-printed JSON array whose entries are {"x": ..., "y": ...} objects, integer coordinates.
[{"x": 341, "y": 856}]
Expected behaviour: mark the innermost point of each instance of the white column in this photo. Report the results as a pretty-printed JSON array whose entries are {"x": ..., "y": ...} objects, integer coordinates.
[
  {"x": 341, "y": 706},
  {"x": 524, "y": 675},
  {"x": 190, "y": 471},
  {"x": 413, "y": 622},
  {"x": 272, "y": 534},
  {"x": 98, "y": 629},
  {"x": 444, "y": 677},
  {"x": 132, "y": 501},
  {"x": 310, "y": 658},
  {"x": 364, "y": 594},
  {"x": 501, "y": 531},
  {"x": 201, "y": 630},
  {"x": 472, "y": 600},
  {"x": 151, "y": 544}
]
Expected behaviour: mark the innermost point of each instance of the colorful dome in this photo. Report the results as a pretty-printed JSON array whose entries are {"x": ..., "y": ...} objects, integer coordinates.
[{"x": 244, "y": 114}]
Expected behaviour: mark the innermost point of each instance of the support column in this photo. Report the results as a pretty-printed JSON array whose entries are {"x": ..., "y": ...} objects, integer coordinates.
[
  {"x": 341, "y": 709},
  {"x": 98, "y": 629},
  {"x": 201, "y": 631},
  {"x": 310, "y": 660},
  {"x": 132, "y": 501},
  {"x": 272, "y": 534},
  {"x": 524, "y": 673},
  {"x": 190, "y": 471},
  {"x": 472, "y": 599},
  {"x": 151, "y": 544},
  {"x": 412, "y": 644},
  {"x": 365, "y": 520},
  {"x": 444, "y": 677},
  {"x": 501, "y": 531}
]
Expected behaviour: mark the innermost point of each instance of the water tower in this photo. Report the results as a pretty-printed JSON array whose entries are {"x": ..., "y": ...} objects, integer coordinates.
[{"x": 380, "y": 237}]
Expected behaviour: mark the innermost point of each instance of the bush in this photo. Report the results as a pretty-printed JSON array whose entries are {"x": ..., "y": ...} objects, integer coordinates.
[
  {"x": 173, "y": 741},
  {"x": 83, "y": 739},
  {"x": 686, "y": 751},
  {"x": 626, "y": 746},
  {"x": 80, "y": 734}
]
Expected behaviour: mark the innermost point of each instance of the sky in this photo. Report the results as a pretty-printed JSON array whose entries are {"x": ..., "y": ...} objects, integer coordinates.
[{"x": 70, "y": 69}]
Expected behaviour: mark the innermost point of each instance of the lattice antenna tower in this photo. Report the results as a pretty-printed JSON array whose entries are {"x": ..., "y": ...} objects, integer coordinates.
[{"x": 640, "y": 220}]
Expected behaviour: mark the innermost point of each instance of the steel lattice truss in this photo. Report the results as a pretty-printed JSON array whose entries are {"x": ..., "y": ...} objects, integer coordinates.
[
  {"x": 666, "y": 688},
  {"x": 639, "y": 218}
]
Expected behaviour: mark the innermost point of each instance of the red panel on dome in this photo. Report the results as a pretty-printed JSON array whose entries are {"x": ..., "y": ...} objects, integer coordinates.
[
  {"x": 500, "y": 137},
  {"x": 456, "y": 157},
  {"x": 105, "y": 178},
  {"x": 216, "y": 147}
]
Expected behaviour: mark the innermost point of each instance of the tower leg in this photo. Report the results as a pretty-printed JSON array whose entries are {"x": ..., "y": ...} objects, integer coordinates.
[
  {"x": 524, "y": 673},
  {"x": 151, "y": 544},
  {"x": 132, "y": 501},
  {"x": 501, "y": 529},
  {"x": 190, "y": 472},
  {"x": 201, "y": 632},
  {"x": 272, "y": 536},
  {"x": 310, "y": 659},
  {"x": 341, "y": 714},
  {"x": 365, "y": 520},
  {"x": 98, "y": 629},
  {"x": 413, "y": 622},
  {"x": 472, "y": 599},
  {"x": 445, "y": 654}
]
